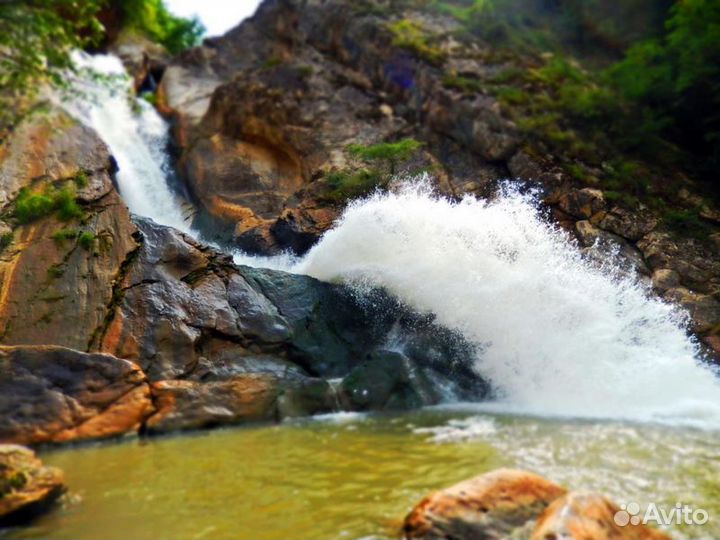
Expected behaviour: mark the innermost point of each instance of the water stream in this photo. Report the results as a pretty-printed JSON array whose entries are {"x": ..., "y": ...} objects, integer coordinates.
[{"x": 598, "y": 384}]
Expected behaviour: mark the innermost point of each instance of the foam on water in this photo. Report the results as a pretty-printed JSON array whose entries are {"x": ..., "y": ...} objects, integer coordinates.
[{"x": 557, "y": 335}]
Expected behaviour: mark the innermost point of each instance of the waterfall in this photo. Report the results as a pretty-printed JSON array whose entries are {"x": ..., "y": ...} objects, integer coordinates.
[
  {"x": 557, "y": 336},
  {"x": 102, "y": 98}
]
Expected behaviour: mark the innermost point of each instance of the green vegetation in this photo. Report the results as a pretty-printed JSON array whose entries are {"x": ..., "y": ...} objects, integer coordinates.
[
  {"x": 381, "y": 159},
  {"x": 37, "y": 37},
  {"x": 152, "y": 19},
  {"x": 389, "y": 154},
  {"x": 5, "y": 240},
  {"x": 411, "y": 36},
  {"x": 348, "y": 184},
  {"x": 32, "y": 205},
  {"x": 65, "y": 234},
  {"x": 272, "y": 62},
  {"x": 467, "y": 85},
  {"x": 86, "y": 240}
]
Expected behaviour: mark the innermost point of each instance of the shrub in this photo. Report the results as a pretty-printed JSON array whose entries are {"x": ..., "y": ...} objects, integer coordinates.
[
  {"x": 31, "y": 206},
  {"x": 87, "y": 240},
  {"x": 5, "y": 240},
  {"x": 389, "y": 153},
  {"x": 153, "y": 19}
]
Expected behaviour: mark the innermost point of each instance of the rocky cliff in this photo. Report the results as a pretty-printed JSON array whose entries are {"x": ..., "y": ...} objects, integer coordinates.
[
  {"x": 263, "y": 117},
  {"x": 112, "y": 324}
]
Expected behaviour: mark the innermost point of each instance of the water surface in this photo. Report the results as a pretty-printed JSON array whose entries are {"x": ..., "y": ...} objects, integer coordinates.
[{"x": 351, "y": 476}]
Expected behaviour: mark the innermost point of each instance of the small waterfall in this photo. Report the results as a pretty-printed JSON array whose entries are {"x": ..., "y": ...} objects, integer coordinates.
[
  {"x": 558, "y": 336},
  {"x": 102, "y": 98}
]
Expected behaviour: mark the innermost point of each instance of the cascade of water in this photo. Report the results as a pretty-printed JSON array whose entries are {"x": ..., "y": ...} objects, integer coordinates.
[
  {"x": 558, "y": 336},
  {"x": 133, "y": 130}
]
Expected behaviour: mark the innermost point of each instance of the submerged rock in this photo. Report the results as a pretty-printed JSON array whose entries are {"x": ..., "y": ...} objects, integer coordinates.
[{"x": 27, "y": 487}]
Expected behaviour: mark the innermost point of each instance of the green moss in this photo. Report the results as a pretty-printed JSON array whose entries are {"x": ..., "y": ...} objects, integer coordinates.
[
  {"x": 348, "y": 184},
  {"x": 511, "y": 96},
  {"x": 389, "y": 153},
  {"x": 411, "y": 36},
  {"x": 305, "y": 71},
  {"x": 87, "y": 240},
  {"x": 65, "y": 234},
  {"x": 468, "y": 85},
  {"x": 686, "y": 221},
  {"x": 577, "y": 171},
  {"x": 55, "y": 271},
  {"x": 81, "y": 180}
]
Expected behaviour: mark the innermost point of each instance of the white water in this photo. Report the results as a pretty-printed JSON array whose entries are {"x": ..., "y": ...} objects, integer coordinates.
[
  {"x": 559, "y": 336},
  {"x": 135, "y": 133}
]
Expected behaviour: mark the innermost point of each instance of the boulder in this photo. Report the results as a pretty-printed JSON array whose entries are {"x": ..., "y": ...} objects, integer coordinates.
[
  {"x": 27, "y": 487},
  {"x": 143, "y": 59},
  {"x": 582, "y": 203},
  {"x": 54, "y": 394},
  {"x": 494, "y": 505},
  {"x": 589, "y": 516},
  {"x": 387, "y": 380},
  {"x": 601, "y": 246}
]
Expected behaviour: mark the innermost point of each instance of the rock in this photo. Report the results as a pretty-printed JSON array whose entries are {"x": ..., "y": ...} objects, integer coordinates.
[
  {"x": 664, "y": 279},
  {"x": 582, "y": 203},
  {"x": 494, "y": 505},
  {"x": 704, "y": 309},
  {"x": 54, "y": 394},
  {"x": 300, "y": 228},
  {"x": 602, "y": 246},
  {"x": 52, "y": 290},
  {"x": 588, "y": 516},
  {"x": 387, "y": 380},
  {"x": 253, "y": 397},
  {"x": 192, "y": 405},
  {"x": 629, "y": 225},
  {"x": 27, "y": 487},
  {"x": 143, "y": 59}
]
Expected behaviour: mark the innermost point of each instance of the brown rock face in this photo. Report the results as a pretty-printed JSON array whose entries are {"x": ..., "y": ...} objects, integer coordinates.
[
  {"x": 588, "y": 516},
  {"x": 192, "y": 405},
  {"x": 489, "y": 506},
  {"x": 52, "y": 288},
  {"x": 53, "y": 394},
  {"x": 26, "y": 486}
]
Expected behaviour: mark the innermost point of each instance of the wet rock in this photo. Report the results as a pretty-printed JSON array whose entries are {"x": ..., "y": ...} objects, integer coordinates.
[
  {"x": 582, "y": 203},
  {"x": 588, "y": 516},
  {"x": 704, "y": 309},
  {"x": 630, "y": 225},
  {"x": 300, "y": 228},
  {"x": 495, "y": 505},
  {"x": 143, "y": 59},
  {"x": 387, "y": 380},
  {"x": 27, "y": 487},
  {"x": 54, "y": 394},
  {"x": 193, "y": 405},
  {"x": 602, "y": 246},
  {"x": 664, "y": 279}
]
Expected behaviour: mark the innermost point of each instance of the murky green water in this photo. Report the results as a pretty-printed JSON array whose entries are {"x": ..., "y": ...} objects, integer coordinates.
[{"x": 352, "y": 477}]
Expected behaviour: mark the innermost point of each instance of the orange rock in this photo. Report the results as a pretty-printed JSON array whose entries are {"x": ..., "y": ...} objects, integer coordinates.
[
  {"x": 489, "y": 506},
  {"x": 26, "y": 485},
  {"x": 588, "y": 516}
]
